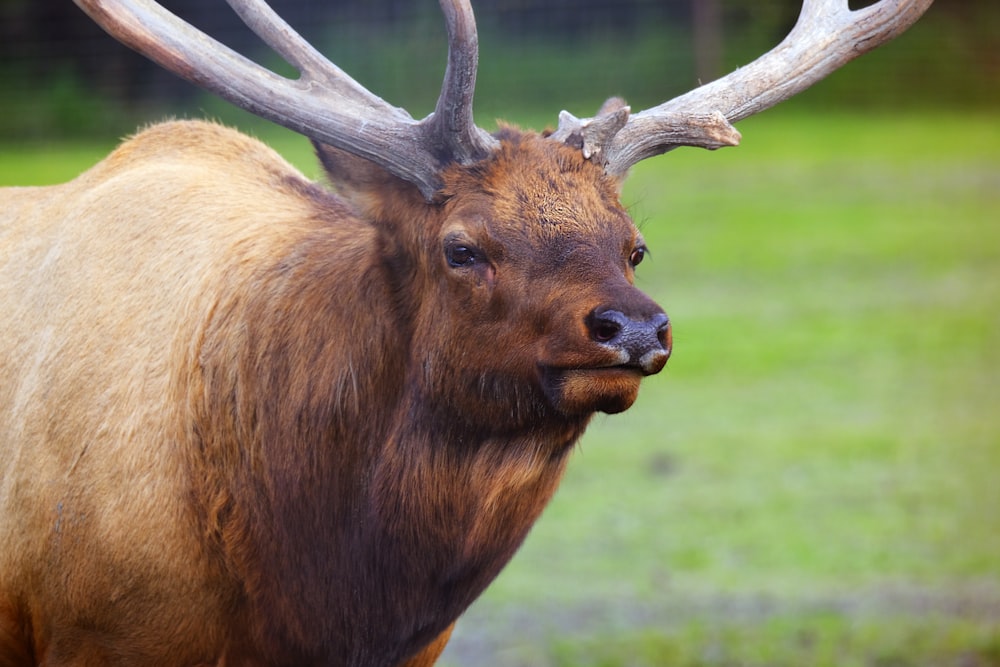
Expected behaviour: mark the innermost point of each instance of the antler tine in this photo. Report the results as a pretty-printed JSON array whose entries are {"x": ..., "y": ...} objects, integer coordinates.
[
  {"x": 324, "y": 104},
  {"x": 290, "y": 45},
  {"x": 827, "y": 35},
  {"x": 452, "y": 121}
]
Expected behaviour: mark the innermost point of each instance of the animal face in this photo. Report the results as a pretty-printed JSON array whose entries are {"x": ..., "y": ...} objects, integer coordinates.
[
  {"x": 527, "y": 301},
  {"x": 543, "y": 245}
]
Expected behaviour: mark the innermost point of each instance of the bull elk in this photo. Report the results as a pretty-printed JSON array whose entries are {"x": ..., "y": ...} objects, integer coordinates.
[{"x": 245, "y": 420}]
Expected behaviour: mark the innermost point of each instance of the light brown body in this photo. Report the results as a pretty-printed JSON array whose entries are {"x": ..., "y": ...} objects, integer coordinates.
[{"x": 108, "y": 283}]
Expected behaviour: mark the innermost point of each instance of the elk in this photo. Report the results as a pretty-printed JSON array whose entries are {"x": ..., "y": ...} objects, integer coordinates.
[{"x": 249, "y": 420}]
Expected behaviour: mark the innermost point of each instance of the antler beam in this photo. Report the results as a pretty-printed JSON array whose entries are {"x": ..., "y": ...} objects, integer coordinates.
[
  {"x": 452, "y": 119},
  {"x": 827, "y": 35},
  {"x": 324, "y": 103}
]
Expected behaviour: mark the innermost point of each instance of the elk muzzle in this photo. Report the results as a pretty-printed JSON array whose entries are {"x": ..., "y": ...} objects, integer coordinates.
[
  {"x": 643, "y": 344},
  {"x": 624, "y": 342}
]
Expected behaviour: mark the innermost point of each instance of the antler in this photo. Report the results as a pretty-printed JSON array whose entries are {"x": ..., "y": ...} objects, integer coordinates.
[
  {"x": 827, "y": 35},
  {"x": 324, "y": 103}
]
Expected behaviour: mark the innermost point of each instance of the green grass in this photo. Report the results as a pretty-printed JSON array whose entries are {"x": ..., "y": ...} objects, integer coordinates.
[{"x": 813, "y": 478}]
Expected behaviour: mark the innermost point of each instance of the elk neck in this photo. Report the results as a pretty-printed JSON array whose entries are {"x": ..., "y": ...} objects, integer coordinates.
[{"x": 322, "y": 446}]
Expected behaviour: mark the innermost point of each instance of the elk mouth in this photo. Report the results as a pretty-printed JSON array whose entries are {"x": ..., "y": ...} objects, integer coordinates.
[
  {"x": 605, "y": 375},
  {"x": 582, "y": 391}
]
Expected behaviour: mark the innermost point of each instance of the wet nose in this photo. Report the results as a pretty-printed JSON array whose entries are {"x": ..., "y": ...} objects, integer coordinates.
[{"x": 642, "y": 343}]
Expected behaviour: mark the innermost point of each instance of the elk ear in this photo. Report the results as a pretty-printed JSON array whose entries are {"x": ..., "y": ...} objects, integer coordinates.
[{"x": 364, "y": 183}]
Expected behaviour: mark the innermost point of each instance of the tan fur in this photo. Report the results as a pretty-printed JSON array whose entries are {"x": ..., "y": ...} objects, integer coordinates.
[
  {"x": 90, "y": 438},
  {"x": 244, "y": 421}
]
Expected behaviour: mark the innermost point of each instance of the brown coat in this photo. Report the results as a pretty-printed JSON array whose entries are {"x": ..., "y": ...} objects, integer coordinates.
[{"x": 246, "y": 421}]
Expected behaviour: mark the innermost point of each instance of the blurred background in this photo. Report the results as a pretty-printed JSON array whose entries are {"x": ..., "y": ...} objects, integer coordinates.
[{"x": 815, "y": 477}]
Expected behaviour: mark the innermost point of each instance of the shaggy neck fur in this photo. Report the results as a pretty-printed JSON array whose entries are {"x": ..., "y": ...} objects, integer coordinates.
[{"x": 296, "y": 484}]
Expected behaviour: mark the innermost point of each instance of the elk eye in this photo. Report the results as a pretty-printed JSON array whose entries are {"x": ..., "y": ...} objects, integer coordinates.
[
  {"x": 459, "y": 255},
  {"x": 637, "y": 255}
]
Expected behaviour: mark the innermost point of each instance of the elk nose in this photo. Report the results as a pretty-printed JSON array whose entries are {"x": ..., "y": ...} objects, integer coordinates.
[{"x": 644, "y": 344}]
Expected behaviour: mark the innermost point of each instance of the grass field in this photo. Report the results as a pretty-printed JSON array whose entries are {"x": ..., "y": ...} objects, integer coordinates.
[{"x": 815, "y": 478}]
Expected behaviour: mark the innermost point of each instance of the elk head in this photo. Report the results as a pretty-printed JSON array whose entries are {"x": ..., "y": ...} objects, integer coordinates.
[{"x": 519, "y": 238}]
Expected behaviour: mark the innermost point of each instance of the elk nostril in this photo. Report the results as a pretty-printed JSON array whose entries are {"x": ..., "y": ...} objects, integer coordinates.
[
  {"x": 664, "y": 333},
  {"x": 605, "y": 330},
  {"x": 605, "y": 326}
]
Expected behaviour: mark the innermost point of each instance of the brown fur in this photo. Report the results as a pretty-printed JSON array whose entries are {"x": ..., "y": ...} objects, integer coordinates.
[{"x": 245, "y": 421}]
